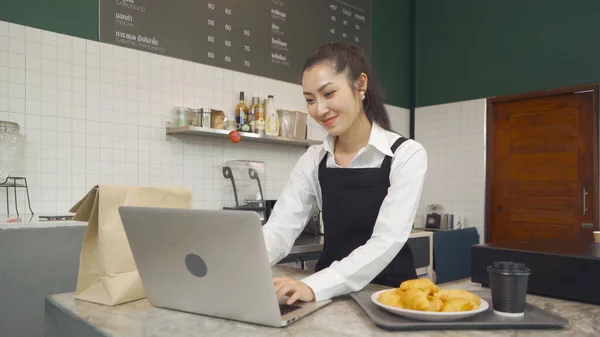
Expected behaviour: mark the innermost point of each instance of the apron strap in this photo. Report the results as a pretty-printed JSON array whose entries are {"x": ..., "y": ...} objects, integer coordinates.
[
  {"x": 323, "y": 163},
  {"x": 387, "y": 161}
]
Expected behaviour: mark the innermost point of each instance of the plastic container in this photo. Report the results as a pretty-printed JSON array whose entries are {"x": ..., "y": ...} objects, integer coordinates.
[
  {"x": 292, "y": 124},
  {"x": 287, "y": 123},
  {"x": 300, "y": 129},
  {"x": 508, "y": 284},
  {"x": 11, "y": 149}
]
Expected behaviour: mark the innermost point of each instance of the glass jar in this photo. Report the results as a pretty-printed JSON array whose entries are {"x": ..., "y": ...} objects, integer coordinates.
[
  {"x": 196, "y": 117},
  {"x": 11, "y": 148},
  {"x": 181, "y": 117}
]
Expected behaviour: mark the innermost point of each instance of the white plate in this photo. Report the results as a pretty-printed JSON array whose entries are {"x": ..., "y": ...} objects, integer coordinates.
[{"x": 428, "y": 315}]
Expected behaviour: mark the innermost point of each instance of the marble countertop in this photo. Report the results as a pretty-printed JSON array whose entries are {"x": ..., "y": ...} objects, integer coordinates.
[{"x": 341, "y": 318}]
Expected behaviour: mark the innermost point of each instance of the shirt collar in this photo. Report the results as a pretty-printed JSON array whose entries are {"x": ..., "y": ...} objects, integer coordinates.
[{"x": 378, "y": 139}]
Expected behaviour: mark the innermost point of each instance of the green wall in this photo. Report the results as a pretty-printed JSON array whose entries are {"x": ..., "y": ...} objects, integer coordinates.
[
  {"x": 465, "y": 49},
  {"x": 391, "y": 45},
  {"x": 390, "y": 30},
  {"x": 470, "y": 49},
  {"x": 71, "y": 17}
]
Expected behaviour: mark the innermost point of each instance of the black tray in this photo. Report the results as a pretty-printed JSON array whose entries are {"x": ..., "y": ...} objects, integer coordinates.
[{"x": 534, "y": 318}]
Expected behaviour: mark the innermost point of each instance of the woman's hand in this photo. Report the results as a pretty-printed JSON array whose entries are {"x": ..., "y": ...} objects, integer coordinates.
[{"x": 295, "y": 289}]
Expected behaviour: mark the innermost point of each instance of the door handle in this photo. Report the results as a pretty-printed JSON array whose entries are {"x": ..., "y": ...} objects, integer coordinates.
[{"x": 585, "y": 193}]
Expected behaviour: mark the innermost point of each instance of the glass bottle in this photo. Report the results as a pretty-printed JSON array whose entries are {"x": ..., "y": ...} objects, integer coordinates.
[
  {"x": 260, "y": 118},
  {"x": 252, "y": 114},
  {"x": 241, "y": 112}
]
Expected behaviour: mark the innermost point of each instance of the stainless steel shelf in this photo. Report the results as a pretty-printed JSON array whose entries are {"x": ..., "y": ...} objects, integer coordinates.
[{"x": 246, "y": 136}]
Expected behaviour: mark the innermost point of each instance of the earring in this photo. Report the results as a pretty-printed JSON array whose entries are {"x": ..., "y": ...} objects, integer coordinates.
[{"x": 362, "y": 96}]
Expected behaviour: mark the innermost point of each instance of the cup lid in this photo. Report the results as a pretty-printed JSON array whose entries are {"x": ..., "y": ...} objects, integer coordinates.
[{"x": 508, "y": 267}]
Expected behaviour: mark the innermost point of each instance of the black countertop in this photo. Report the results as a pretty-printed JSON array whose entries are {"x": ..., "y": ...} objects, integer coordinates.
[
  {"x": 588, "y": 249},
  {"x": 307, "y": 243}
]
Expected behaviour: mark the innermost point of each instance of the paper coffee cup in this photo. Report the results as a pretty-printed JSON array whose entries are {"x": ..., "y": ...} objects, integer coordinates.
[
  {"x": 597, "y": 236},
  {"x": 508, "y": 284}
]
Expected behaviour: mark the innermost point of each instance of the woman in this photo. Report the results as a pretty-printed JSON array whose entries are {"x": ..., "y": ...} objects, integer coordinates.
[{"x": 366, "y": 179}]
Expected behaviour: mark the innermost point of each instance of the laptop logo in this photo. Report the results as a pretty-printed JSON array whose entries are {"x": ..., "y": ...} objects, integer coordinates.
[{"x": 196, "y": 265}]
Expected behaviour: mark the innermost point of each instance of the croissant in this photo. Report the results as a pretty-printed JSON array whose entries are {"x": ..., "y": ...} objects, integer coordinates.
[
  {"x": 415, "y": 299},
  {"x": 391, "y": 298},
  {"x": 424, "y": 295},
  {"x": 448, "y": 294},
  {"x": 457, "y": 304},
  {"x": 435, "y": 304},
  {"x": 422, "y": 283}
]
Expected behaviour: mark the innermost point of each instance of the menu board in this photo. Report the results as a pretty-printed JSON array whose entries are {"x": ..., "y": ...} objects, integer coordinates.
[{"x": 270, "y": 38}]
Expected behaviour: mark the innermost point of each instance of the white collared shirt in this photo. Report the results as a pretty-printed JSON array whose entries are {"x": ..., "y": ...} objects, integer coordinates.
[{"x": 302, "y": 193}]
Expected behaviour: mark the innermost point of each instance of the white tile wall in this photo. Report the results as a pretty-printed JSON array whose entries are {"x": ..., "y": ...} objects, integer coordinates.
[
  {"x": 95, "y": 113},
  {"x": 454, "y": 137},
  {"x": 400, "y": 119}
]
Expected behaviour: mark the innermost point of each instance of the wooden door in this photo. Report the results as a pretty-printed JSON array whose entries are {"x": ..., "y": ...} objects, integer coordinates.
[{"x": 542, "y": 167}]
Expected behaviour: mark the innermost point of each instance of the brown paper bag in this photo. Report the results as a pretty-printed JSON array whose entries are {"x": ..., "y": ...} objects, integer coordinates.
[{"x": 107, "y": 272}]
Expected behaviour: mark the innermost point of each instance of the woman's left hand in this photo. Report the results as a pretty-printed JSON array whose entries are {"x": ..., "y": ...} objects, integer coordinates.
[{"x": 295, "y": 289}]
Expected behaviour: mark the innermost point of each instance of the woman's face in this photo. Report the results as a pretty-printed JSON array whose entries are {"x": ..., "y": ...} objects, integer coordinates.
[{"x": 330, "y": 99}]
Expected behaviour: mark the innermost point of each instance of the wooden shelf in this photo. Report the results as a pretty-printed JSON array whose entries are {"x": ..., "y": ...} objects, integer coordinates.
[{"x": 246, "y": 136}]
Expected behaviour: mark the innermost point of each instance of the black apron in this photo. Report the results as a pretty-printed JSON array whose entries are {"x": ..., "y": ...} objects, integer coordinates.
[{"x": 351, "y": 202}]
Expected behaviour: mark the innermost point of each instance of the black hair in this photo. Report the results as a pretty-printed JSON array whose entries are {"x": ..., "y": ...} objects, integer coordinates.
[{"x": 351, "y": 59}]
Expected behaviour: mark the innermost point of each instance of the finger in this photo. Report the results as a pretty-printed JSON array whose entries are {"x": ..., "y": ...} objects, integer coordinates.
[
  {"x": 286, "y": 290},
  {"x": 281, "y": 284},
  {"x": 282, "y": 290},
  {"x": 290, "y": 283},
  {"x": 277, "y": 280},
  {"x": 293, "y": 298},
  {"x": 278, "y": 286}
]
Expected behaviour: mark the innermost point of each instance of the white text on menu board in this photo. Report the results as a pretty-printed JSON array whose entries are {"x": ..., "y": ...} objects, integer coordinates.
[
  {"x": 124, "y": 20},
  {"x": 138, "y": 41},
  {"x": 130, "y": 4},
  {"x": 127, "y": 21},
  {"x": 278, "y": 44},
  {"x": 347, "y": 15},
  {"x": 228, "y": 41}
]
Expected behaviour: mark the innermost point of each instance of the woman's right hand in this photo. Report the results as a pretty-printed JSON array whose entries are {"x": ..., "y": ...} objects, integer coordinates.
[{"x": 296, "y": 290}]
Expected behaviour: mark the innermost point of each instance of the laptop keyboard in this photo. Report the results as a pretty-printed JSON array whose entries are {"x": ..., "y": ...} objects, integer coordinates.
[{"x": 286, "y": 308}]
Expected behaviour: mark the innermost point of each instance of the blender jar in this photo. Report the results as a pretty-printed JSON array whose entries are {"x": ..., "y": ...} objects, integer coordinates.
[
  {"x": 182, "y": 117},
  {"x": 11, "y": 146}
]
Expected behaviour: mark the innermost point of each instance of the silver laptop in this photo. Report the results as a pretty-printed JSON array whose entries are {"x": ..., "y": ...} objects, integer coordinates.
[{"x": 208, "y": 262}]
